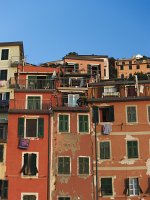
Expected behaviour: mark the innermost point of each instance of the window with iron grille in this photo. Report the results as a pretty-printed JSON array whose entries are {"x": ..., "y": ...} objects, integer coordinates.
[{"x": 64, "y": 165}]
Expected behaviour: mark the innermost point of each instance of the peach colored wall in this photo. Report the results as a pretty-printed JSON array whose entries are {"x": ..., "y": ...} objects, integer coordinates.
[{"x": 83, "y": 65}]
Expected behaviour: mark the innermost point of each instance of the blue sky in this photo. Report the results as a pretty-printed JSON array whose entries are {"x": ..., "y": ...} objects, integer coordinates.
[{"x": 50, "y": 29}]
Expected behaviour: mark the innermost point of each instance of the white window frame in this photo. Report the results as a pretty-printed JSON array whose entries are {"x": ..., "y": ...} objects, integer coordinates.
[
  {"x": 29, "y": 193},
  {"x": 89, "y": 166},
  {"x": 37, "y": 165},
  {"x": 26, "y": 106},
  {"x": 127, "y": 114},
  {"x": 137, "y": 149},
  {"x": 8, "y": 55},
  {"x": 57, "y": 166},
  {"x": 110, "y": 150},
  {"x": 148, "y": 114},
  {"x": 68, "y": 122},
  {"x": 78, "y": 123},
  {"x": 25, "y": 135},
  {"x": 133, "y": 183},
  {"x": 112, "y": 186}
]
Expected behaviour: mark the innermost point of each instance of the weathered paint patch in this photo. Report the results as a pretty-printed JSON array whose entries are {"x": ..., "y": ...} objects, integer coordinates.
[
  {"x": 69, "y": 142},
  {"x": 63, "y": 179},
  {"x": 148, "y": 166},
  {"x": 127, "y": 161}
]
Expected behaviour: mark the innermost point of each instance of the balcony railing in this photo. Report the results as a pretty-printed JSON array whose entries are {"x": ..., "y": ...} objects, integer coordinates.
[
  {"x": 111, "y": 94},
  {"x": 36, "y": 84},
  {"x": 4, "y": 105},
  {"x": 30, "y": 105}
]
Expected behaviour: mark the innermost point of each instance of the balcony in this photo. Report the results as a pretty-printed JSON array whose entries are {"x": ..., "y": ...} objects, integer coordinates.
[
  {"x": 4, "y": 105},
  {"x": 74, "y": 82},
  {"x": 37, "y": 83},
  {"x": 30, "y": 105}
]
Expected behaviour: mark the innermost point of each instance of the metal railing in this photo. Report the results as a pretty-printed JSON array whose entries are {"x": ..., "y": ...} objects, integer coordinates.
[{"x": 20, "y": 104}]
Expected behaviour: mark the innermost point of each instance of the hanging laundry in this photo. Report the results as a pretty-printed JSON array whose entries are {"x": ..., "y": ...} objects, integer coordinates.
[
  {"x": 23, "y": 143},
  {"x": 107, "y": 128}
]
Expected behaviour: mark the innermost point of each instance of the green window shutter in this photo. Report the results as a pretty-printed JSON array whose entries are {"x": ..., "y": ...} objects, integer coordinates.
[
  {"x": 41, "y": 127},
  {"x": 4, "y": 189},
  {"x": 86, "y": 165},
  {"x": 106, "y": 186},
  {"x": 111, "y": 114},
  {"x": 63, "y": 123},
  {"x": 81, "y": 169},
  {"x": 149, "y": 113},
  {"x": 1, "y": 152},
  {"x": 132, "y": 149},
  {"x": 33, "y": 167},
  {"x": 21, "y": 127},
  {"x": 131, "y": 114},
  {"x": 104, "y": 150},
  {"x": 60, "y": 165},
  {"x": 25, "y": 169},
  {"x": 83, "y": 123},
  {"x": 66, "y": 165}
]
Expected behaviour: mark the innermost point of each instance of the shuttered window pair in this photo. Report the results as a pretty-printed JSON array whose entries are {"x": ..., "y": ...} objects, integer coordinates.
[
  {"x": 63, "y": 123},
  {"x": 105, "y": 150},
  {"x": 29, "y": 164},
  {"x": 31, "y": 127},
  {"x": 132, "y": 187},
  {"x": 83, "y": 123},
  {"x": 84, "y": 168},
  {"x": 64, "y": 165}
]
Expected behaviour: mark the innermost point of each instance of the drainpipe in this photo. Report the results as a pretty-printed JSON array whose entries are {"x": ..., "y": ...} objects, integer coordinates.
[
  {"x": 95, "y": 119},
  {"x": 96, "y": 162},
  {"x": 48, "y": 170}
]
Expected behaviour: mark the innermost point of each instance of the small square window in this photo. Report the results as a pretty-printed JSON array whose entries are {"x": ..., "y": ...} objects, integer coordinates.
[
  {"x": 107, "y": 114},
  {"x": 29, "y": 164},
  {"x": 105, "y": 150},
  {"x": 5, "y": 53},
  {"x": 3, "y": 75},
  {"x": 106, "y": 187},
  {"x": 132, "y": 149},
  {"x": 84, "y": 168},
  {"x": 131, "y": 114},
  {"x": 63, "y": 123},
  {"x": 121, "y": 67},
  {"x": 29, "y": 197},
  {"x": 83, "y": 123},
  {"x": 64, "y": 165}
]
